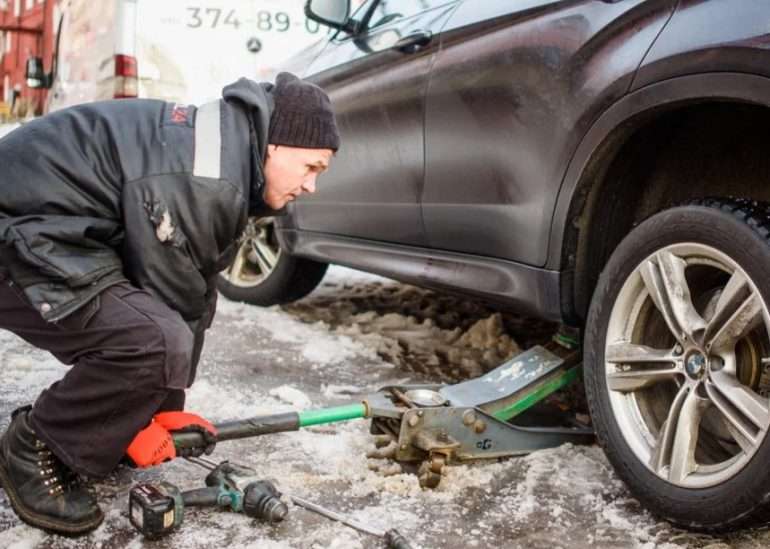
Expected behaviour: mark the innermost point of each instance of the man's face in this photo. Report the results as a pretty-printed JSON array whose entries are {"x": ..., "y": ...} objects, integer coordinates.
[{"x": 291, "y": 171}]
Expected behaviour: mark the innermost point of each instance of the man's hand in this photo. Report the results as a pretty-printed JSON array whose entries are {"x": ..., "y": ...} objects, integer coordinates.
[
  {"x": 151, "y": 446},
  {"x": 154, "y": 444},
  {"x": 185, "y": 422}
]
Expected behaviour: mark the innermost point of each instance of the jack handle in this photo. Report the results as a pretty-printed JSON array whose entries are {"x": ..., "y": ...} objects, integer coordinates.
[{"x": 277, "y": 423}]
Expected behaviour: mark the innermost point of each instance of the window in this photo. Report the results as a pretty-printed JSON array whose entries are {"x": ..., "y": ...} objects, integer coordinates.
[
  {"x": 16, "y": 8},
  {"x": 390, "y": 10},
  {"x": 29, "y": 4}
]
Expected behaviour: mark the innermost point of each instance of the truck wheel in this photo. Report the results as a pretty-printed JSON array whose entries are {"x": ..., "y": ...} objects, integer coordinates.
[
  {"x": 262, "y": 274},
  {"x": 677, "y": 363}
]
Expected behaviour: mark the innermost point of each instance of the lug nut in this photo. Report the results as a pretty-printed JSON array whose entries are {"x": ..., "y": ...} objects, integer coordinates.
[{"x": 469, "y": 418}]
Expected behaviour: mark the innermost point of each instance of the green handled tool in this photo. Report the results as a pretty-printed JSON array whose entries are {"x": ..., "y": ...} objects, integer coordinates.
[
  {"x": 443, "y": 424},
  {"x": 437, "y": 425},
  {"x": 276, "y": 423}
]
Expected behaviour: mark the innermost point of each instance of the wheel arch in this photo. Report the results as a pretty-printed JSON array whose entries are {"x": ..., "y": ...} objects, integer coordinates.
[{"x": 594, "y": 195}]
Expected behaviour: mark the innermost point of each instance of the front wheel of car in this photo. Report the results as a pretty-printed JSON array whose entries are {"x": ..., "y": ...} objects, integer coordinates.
[
  {"x": 677, "y": 363},
  {"x": 263, "y": 274}
]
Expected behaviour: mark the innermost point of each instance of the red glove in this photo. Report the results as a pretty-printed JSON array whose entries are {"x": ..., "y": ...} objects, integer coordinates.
[
  {"x": 185, "y": 422},
  {"x": 153, "y": 445}
]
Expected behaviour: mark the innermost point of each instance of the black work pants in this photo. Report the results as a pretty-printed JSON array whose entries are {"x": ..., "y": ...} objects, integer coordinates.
[{"x": 131, "y": 357}]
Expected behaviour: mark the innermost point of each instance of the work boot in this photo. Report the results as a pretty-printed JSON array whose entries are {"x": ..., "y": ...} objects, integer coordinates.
[{"x": 43, "y": 491}]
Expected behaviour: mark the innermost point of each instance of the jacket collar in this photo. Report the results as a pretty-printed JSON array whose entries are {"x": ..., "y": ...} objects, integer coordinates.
[{"x": 256, "y": 103}]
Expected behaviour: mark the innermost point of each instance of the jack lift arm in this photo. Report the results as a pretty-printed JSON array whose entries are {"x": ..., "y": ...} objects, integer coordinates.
[
  {"x": 445, "y": 424},
  {"x": 439, "y": 425}
]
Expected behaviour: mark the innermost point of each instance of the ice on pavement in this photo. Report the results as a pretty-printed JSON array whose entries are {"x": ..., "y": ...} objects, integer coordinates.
[
  {"x": 25, "y": 371},
  {"x": 313, "y": 340},
  {"x": 21, "y": 537},
  {"x": 263, "y": 361},
  {"x": 292, "y": 396},
  {"x": 340, "y": 391}
]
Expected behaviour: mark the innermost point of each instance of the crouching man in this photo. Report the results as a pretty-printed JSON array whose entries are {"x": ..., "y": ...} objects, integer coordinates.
[{"x": 115, "y": 220}]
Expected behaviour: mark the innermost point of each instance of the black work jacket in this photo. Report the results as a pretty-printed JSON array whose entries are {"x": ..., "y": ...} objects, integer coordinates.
[{"x": 141, "y": 190}]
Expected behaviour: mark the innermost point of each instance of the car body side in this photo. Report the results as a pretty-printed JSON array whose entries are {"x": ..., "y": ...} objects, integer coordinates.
[{"x": 532, "y": 117}]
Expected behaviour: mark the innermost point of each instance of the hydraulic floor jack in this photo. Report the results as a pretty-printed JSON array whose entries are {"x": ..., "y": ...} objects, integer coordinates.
[{"x": 435, "y": 425}]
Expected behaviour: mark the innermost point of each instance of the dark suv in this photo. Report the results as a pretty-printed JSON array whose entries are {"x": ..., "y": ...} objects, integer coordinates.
[{"x": 600, "y": 163}]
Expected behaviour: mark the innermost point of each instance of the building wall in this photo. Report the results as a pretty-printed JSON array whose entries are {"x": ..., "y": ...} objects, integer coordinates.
[{"x": 36, "y": 16}]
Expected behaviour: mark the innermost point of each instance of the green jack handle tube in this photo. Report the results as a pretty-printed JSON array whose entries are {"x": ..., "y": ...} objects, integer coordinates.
[
  {"x": 332, "y": 415},
  {"x": 277, "y": 423}
]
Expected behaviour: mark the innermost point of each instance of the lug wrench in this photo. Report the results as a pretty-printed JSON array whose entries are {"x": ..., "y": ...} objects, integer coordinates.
[{"x": 392, "y": 538}]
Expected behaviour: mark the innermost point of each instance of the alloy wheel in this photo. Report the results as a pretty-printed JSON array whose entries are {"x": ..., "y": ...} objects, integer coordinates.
[
  {"x": 685, "y": 365},
  {"x": 257, "y": 256}
]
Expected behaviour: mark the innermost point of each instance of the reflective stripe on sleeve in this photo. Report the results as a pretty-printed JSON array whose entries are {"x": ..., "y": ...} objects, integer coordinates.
[{"x": 208, "y": 141}]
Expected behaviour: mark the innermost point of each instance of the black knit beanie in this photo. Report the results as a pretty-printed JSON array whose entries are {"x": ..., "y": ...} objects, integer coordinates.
[{"x": 303, "y": 115}]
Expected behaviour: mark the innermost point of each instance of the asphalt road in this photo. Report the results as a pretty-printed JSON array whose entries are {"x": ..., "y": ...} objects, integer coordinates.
[{"x": 352, "y": 336}]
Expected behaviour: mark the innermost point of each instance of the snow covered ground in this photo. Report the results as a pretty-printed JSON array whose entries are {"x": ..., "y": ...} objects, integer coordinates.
[{"x": 353, "y": 335}]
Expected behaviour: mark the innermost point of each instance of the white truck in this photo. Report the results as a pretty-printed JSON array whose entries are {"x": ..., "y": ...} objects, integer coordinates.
[{"x": 176, "y": 50}]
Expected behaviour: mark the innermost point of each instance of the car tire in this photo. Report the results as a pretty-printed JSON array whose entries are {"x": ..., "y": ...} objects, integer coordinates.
[
  {"x": 262, "y": 274},
  {"x": 684, "y": 418}
]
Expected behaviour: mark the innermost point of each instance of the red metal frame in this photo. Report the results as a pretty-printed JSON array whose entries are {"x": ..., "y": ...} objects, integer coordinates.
[{"x": 33, "y": 35}]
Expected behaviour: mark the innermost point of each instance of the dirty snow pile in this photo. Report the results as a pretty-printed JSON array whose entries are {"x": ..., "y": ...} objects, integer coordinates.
[{"x": 438, "y": 336}]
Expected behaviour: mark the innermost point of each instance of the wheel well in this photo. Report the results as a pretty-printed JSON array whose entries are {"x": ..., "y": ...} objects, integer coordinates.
[{"x": 658, "y": 160}]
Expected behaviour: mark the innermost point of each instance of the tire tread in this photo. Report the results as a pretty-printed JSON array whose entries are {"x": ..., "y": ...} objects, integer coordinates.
[
  {"x": 741, "y": 511},
  {"x": 293, "y": 278}
]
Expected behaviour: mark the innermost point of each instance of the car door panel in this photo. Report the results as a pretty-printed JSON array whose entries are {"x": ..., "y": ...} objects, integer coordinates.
[
  {"x": 510, "y": 95},
  {"x": 373, "y": 187}
]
